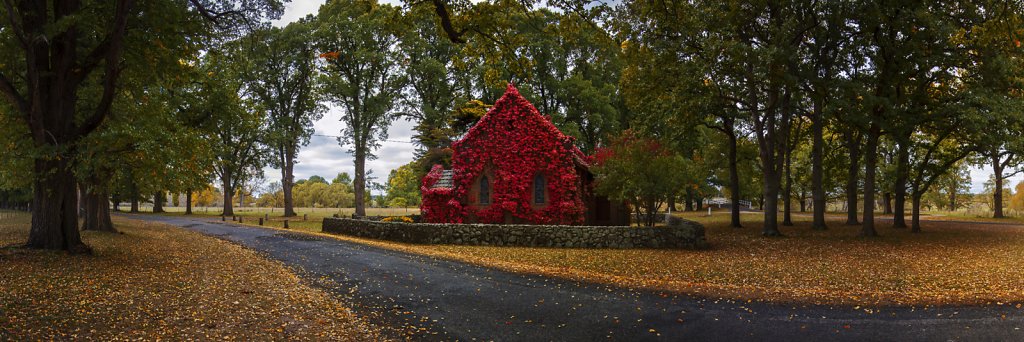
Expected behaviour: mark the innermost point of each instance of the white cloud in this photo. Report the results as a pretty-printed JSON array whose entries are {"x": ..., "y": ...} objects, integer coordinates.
[{"x": 326, "y": 158}]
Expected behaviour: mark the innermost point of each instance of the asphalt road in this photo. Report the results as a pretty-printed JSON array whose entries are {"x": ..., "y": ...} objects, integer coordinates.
[{"x": 434, "y": 299}]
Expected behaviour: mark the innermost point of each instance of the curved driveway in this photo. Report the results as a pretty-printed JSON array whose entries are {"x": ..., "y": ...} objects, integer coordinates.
[{"x": 436, "y": 299}]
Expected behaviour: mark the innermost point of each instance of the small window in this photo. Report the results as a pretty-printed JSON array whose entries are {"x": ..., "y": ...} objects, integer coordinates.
[
  {"x": 485, "y": 191},
  {"x": 538, "y": 189}
]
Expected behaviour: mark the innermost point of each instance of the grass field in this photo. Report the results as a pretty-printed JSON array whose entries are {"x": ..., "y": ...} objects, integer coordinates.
[
  {"x": 308, "y": 219},
  {"x": 155, "y": 282}
]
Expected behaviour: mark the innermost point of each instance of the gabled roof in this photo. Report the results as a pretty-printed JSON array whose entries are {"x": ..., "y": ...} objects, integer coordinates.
[
  {"x": 503, "y": 109},
  {"x": 445, "y": 182}
]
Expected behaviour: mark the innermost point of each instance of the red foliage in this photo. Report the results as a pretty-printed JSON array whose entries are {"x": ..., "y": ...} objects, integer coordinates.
[
  {"x": 435, "y": 206},
  {"x": 514, "y": 143}
]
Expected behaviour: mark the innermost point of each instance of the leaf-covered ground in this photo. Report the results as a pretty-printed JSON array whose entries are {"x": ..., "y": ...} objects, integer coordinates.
[
  {"x": 156, "y": 282},
  {"x": 950, "y": 263}
]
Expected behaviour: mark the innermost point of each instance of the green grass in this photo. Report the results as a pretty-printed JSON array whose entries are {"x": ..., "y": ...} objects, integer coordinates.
[{"x": 313, "y": 221}]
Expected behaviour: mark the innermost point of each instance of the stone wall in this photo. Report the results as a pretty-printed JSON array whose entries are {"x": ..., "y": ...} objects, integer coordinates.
[{"x": 678, "y": 234}]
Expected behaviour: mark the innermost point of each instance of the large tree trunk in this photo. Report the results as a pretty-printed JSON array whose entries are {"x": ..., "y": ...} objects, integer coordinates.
[
  {"x": 188, "y": 202},
  {"x": 870, "y": 163},
  {"x": 288, "y": 182},
  {"x": 55, "y": 207},
  {"x": 103, "y": 212},
  {"x": 229, "y": 194},
  {"x": 997, "y": 195},
  {"x": 359, "y": 186},
  {"x": 771, "y": 205},
  {"x": 916, "y": 212},
  {"x": 817, "y": 170},
  {"x": 158, "y": 202},
  {"x": 787, "y": 193},
  {"x": 671, "y": 203},
  {"x": 902, "y": 170},
  {"x": 97, "y": 216},
  {"x": 734, "y": 177},
  {"x": 135, "y": 202},
  {"x": 853, "y": 148}
]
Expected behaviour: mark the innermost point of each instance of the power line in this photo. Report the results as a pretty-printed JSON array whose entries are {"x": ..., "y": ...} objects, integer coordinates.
[{"x": 339, "y": 137}]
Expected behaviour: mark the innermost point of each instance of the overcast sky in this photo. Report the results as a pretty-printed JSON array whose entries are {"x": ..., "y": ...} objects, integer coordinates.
[{"x": 324, "y": 157}]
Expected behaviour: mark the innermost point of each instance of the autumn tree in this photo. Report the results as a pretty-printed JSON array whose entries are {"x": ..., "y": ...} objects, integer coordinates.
[
  {"x": 363, "y": 75},
  {"x": 640, "y": 171},
  {"x": 52, "y": 50}
]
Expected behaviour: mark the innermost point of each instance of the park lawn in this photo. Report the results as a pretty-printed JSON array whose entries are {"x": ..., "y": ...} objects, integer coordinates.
[
  {"x": 156, "y": 282},
  {"x": 949, "y": 263}
]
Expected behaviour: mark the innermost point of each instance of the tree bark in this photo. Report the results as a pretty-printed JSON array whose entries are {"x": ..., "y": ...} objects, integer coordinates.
[
  {"x": 817, "y": 169},
  {"x": 997, "y": 195},
  {"x": 870, "y": 163},
  {"x": 902, "y": 170},
  {"x": 359, "y": 185},
  {"x": 188, "y": 202},
  {"x": 787, "y": 192},
  {"x": 55, "y": 208},
  {"x": 288, "y": 182},
  {"x": 734, "y": 176},
  {"x": 915, "y": 225},
  {"x": 158, "y": 202},
  {"x": 229, "y": 194},
  {"x": 135, "y": 202},
  {"x": 97, "y": 216},
  {"x": 853, "y": 147}
]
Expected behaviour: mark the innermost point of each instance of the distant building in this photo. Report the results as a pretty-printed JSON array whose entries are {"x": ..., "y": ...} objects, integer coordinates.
[{"x": 515, "y": 166}]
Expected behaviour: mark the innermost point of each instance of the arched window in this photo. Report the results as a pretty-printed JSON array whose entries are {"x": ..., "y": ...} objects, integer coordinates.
[
  {"x": 538, "y": 189},
  {"x": 485, "y": 191}
]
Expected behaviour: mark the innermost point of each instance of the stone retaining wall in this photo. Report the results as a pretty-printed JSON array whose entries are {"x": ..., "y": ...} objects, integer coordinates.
[{"x": 679, "y": 234}]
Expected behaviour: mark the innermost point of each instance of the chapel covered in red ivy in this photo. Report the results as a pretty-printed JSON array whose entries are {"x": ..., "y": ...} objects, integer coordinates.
[{"x": 515, "y": 166}]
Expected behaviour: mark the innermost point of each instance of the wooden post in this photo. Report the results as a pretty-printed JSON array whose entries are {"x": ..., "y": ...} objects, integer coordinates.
[
  {"x": 223, "y": 219},
  {"x": 239, "y": 219},
  {"x": 305, "y": 217},
  {"x": 286, "y": 224},
  {"x": 261, "y": 221}
]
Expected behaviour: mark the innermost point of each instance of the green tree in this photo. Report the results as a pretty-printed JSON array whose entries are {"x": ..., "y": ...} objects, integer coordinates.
[
  {"x": 233, "y": 124},
  {"x": 283, "y": 80},
  {"x": 403, "y": 183},
  {"x": 91, "y": 41},
  {"x": 342, "y": 178},
  {"x": 363, "y": 75}
]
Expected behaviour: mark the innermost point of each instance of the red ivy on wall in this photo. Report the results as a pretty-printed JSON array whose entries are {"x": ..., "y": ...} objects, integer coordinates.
[
  {"x": 514, "y": 144},
  {"x": 438, "y": 205}
]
